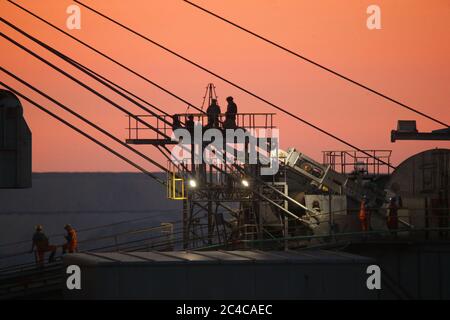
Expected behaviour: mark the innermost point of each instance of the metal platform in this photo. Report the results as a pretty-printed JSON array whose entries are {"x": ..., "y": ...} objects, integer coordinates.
[
  {"x": 140, "y": 134},
  {"x": 154, "y": 142}
]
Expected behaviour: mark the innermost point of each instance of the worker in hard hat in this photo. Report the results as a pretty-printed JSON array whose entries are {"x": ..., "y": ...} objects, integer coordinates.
[
  {"x": 364, "y": 215},
  {"x": 176, "y": 123},
  {"x": 71, "y": 245},
  {"x": 230, "y": 114},
  {"x": 213, "y": 113},
  {"x": 41, "y": 243},
  {"x": 190, "y": 124}
]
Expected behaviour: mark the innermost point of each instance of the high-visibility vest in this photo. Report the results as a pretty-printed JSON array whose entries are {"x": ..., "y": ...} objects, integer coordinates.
[
  {"x": 362, "y": 211},
  {"x": 73, "y": 238}
]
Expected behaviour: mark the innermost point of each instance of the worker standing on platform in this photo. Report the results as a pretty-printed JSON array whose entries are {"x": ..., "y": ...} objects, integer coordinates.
[
  {"x": 213, "y": 113},
  {"x": 364, "y": 215},
  {"x": 190, "y": 124},
  {"x": 72, "y": 242},
  {"x": 40, "y": 241},
  {"x": 176, "y": 123},
  {"x": 230, "y": 114},
  {"x": 392, "y": 217}
]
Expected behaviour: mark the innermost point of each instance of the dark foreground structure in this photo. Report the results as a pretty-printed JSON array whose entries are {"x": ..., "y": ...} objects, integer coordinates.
[
  {"x": 409, "y": 270},
  {"x": 313, "y": 274},
  {"x": 15, "y": 143}
]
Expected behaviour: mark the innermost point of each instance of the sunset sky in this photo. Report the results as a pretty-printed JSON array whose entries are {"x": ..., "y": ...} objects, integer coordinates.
[{"x": 408, "y": 59}]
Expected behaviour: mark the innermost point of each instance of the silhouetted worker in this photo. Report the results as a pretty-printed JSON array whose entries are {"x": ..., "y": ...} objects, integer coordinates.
[
  {"x": 363, "y": 215},
  {"x": 40, "y": 241},
  {"x": 190, "y": 124},
  {"x": 392, "y": 217},
  {"x": 176, "y": 124},
  {"x": 213, "y": 113},
  {"x": 230, "y": 114},
  {"x": 72, "y": 242}
]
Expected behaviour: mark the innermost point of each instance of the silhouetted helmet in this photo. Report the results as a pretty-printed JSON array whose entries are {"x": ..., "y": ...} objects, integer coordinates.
[
  {"x": 38, "y": 227},
  {"x": 230, "y": 98},
  {"x": 67, "y": 227}
]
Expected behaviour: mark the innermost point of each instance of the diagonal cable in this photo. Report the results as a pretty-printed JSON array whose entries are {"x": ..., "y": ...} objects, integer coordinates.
[{"x": 321, "y": 66}]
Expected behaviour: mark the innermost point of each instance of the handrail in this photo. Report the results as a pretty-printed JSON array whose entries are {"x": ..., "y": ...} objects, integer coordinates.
[
  {"x": 113, "y": 236},
  {"x": 123, "y": 245},
  {"x": 244, "y": 120},
  {"x": 97, "y": 227},
  {"x": 349, "y": 158},
  {"x": 176, "y": 231},
  {"x": 50, "y": 268},
  {"x": 344, "y": 234},
  {"x": 93, "y": 240}
]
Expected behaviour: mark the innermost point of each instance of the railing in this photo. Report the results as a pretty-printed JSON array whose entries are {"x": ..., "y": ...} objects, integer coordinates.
[
  {"x": 94, "y": 228},
  {"x": 167, "y": 236},
  {"x": 25, "y": 279},
  {"x": 425, "y": 223},
  {"x": 353, "y": 161},
  {"x": 163, "y": 123},
  {"x": 111, "y": 241}
]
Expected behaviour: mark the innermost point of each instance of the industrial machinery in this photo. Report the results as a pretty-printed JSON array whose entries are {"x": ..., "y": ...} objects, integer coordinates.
[
  {"x": 228, "y": 202},
  {"x": 323, "y": 177}
]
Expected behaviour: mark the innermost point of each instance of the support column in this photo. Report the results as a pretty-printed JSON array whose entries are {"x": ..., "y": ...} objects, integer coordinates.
[{"x": 185, "y": 224}]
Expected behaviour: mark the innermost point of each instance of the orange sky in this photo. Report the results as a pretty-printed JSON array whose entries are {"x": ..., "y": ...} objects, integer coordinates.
[{"x": 408, "y": 59}]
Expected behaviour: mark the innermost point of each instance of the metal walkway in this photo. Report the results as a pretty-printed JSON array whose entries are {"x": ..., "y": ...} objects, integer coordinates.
[
  {"x": 30, "y": 280},
  {"x": 25, "y": 281}
]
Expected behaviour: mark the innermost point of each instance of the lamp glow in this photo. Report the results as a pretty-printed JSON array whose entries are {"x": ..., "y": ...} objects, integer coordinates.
[{"x": 192, "y": 183}]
